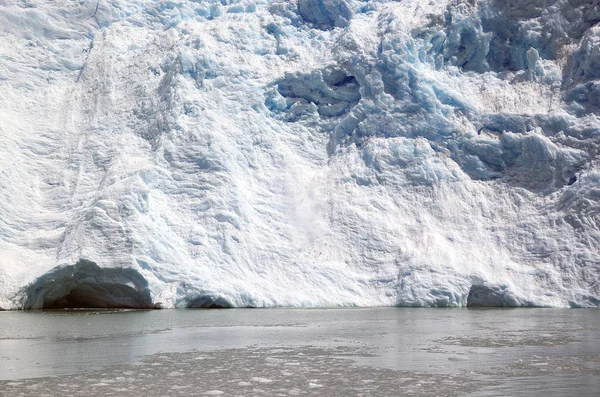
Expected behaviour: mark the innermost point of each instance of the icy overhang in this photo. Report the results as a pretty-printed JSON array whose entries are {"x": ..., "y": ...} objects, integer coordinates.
[{"x": 86, "y": 285}]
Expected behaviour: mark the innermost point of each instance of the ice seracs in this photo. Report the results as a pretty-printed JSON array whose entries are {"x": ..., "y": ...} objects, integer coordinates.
[{"x": 299, "y": 153}]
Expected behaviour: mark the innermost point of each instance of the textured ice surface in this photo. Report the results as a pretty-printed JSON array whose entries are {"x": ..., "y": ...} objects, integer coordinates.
[{"x": 300, "y": 153}]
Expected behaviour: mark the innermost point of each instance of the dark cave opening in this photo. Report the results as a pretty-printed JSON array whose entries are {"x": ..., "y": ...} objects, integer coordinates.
[{"x": 85, "y": 285}]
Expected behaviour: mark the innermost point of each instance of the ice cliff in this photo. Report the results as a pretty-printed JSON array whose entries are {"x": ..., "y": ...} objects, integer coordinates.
[{"x": 181, "y": 153}]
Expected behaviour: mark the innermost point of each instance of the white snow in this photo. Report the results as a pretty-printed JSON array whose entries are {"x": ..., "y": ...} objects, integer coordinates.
[{"x": 300, "y": 153}]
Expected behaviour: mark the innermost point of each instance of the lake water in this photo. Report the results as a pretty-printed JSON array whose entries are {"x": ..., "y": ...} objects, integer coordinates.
[{"x": 277, "y": 352}]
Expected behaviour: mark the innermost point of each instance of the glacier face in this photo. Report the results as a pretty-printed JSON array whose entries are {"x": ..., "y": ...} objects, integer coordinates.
[{"x": 182, "y": 153}]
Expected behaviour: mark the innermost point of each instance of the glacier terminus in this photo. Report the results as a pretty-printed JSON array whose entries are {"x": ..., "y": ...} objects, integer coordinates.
[{"x": 303, "y": 153}]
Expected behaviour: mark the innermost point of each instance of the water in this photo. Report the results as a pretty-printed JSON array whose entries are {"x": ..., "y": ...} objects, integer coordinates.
[{"x": 335, "y": 352}]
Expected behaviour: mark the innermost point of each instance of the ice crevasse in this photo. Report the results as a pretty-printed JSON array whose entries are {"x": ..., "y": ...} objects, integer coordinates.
[{"x": 302, "y": 153}]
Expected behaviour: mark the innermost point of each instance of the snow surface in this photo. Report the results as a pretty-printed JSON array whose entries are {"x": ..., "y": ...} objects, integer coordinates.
[{"x": 299, "y": 153}]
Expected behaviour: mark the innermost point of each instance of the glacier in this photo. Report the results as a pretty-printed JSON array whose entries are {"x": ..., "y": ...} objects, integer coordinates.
[{"x": 304, "y": 153}]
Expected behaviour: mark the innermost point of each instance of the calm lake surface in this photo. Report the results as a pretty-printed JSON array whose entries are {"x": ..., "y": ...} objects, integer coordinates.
[{"x": 278, "y": 352}]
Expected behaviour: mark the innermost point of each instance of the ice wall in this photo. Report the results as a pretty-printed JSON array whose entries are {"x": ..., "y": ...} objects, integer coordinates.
[{"x": 299, "y": 153}]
